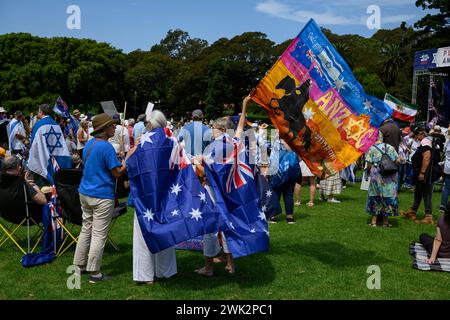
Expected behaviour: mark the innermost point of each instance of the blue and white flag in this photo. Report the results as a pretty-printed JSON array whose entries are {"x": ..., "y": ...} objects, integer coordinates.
[
  {"x": 61, "y": 108},
  {"x": 15, "y": 127},
  {"x": 237, "y": 198},
  {"x": 48, "y": 151},
  {"x": 171, "y": 204}
]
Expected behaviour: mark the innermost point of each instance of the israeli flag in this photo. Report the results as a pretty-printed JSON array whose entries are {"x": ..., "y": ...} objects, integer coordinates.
[{"x": 48, "y": 152}]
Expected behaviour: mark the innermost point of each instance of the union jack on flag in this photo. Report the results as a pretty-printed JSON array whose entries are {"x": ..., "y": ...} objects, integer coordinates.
[
  {"x": 61, "y": 108},
  {"x": 178, "y": 157},
  {"x": 239, "y": 167}
]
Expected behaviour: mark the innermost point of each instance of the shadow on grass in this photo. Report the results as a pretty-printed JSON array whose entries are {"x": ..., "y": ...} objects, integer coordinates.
[
  {"x": 333, "y": 254},
  {"x": 122, "y": 260},
  {"x": 251, "y": 272}
]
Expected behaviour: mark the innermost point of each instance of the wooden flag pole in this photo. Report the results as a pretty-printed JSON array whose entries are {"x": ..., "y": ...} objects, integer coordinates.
[{"x": 122, "y": 146}]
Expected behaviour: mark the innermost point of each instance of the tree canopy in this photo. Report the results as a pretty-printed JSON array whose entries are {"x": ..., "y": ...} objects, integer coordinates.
[{"x": 181, "y": 73}]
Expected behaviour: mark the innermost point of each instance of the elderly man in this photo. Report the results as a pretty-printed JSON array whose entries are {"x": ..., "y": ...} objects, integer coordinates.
[
  {"x": 139, "y": 127},
  {"x": 101, "y": 168},
  {"x": 12, "y": 166},
  {"x": 195, "y": 136},
  {"x": 17, "y": 134}
]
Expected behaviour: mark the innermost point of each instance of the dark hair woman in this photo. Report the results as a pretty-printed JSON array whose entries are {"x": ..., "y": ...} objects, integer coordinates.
[{"x": 439, "y": 247}]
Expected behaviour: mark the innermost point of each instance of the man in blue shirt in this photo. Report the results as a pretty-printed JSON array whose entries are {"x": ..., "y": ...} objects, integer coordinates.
[
  {"x": 139, "y": 127},
  {"x": 101, "y": 168},
  {"x": 195, "y": 136}
]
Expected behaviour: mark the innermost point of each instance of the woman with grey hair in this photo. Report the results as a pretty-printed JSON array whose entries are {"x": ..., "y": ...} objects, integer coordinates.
[
  {"x": 146, "y": 265},
  {"x": 157, "y": 119},
  {"x": 383, "y": 196}
]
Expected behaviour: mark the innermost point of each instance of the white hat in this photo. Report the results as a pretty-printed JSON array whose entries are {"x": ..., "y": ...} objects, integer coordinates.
[{"x": 2, "y": 110}]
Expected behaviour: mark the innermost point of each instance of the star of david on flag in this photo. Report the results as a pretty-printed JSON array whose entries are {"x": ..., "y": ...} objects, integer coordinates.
[{"x": 48, "y": 152}]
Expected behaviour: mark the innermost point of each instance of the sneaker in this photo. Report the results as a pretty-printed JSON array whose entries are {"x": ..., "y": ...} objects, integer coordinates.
[
  {"x": 441, "y": 210},
  {"x": 273, "y": 220},
  {"x": 333, "y": 200},
  {"x": 103, "y": 277},
  {"x": 290, "y": 220}
]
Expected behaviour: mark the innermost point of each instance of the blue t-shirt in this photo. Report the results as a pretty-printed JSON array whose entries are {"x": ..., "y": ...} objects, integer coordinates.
[
  {"x": 98, "y": 181},
  {"x": 138, "y": 130},
  {"x": 196, "y": 137}
]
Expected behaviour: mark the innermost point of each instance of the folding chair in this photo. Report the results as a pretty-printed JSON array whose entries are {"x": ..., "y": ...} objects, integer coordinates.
[
  {"x": 18, "y": 210},
  {"x": 67, "y": 182}
]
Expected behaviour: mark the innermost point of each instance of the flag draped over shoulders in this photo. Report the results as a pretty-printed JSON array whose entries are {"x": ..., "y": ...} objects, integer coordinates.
[
  {"x": 48, "y": 151},
  {"x": 171, "y": 204},
  {"x": 318, "y": 106},
  {"x": 237, "y": 197}
]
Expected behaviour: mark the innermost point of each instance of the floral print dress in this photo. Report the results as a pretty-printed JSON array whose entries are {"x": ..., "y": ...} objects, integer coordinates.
[{"x": 383, "y": 196}]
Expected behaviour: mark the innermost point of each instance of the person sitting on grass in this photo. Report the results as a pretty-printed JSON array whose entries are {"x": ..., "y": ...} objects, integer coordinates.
[{"x": 439, "y": 246}]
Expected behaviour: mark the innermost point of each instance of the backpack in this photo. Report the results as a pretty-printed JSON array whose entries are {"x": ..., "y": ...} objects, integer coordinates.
[
  {"x": 386, "y": 166},
  {"x": 434, "y": 170},
  {"x": 288, "y": 169}
]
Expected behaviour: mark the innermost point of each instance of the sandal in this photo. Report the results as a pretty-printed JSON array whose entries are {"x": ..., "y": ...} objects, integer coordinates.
[
  {"x": 219, "y": 259},
  {"x": 310, "y": 204},
  {"x": 387, "y": 225},
  {"x": 203, "y": 272},
  {"x": 373, "y": 225},
  {"x": 297, "y": 204},
  {"x": 230, "y": 269}
]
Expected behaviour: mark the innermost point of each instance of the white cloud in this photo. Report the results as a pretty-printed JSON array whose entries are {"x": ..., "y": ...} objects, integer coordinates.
[{"x": 325, "y": 15}]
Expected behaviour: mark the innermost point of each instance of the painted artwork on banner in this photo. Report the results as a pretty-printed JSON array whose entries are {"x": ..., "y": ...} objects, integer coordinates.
[{"x": 318, "y": 106}]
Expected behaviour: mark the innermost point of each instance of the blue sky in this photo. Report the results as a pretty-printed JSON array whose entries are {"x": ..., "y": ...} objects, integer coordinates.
[{"x": 139, "y": 24}]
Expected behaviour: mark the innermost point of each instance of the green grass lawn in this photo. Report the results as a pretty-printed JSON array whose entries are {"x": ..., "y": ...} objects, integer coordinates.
[{"x": 325, "y": 255}]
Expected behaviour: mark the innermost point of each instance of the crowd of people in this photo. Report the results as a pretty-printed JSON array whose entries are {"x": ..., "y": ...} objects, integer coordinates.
[{"x": 101, "y": 145}]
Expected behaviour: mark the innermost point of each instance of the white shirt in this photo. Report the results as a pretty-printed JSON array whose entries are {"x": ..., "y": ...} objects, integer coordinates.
[
  {"x": 80, "y": 145},
  {"x": 15, "y": 143},
  {"x": 118, "y": 134}
]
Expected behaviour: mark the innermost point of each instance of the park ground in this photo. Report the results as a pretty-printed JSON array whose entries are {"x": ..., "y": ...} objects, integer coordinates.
[{"x": 325, "y": 255}]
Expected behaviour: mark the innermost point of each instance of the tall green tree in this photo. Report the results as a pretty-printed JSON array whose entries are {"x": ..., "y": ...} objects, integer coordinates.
[{"x": 393, "y": 61}]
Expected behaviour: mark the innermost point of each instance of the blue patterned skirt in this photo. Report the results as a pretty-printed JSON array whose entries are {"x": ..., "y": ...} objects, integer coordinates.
[{"x": 377, "y": 205}]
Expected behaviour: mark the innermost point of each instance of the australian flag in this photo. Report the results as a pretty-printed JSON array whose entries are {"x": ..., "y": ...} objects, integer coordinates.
[
  {"x": 237, "y": 198},
  {"x": 171, "y": 204},
  {"x": 61, "y": 108}
]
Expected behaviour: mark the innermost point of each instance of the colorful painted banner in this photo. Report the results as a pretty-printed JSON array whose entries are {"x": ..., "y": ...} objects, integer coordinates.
[
  {"x": 401, "y": 110},
  {"x": 317, "y": 105}
]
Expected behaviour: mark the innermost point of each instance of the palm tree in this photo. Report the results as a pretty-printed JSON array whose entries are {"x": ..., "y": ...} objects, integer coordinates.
[
  {"x": 393, "y": 61},
  {"x": 344, "y": 51}
]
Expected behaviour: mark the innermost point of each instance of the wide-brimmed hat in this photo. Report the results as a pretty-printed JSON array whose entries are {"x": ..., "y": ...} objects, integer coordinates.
[
  {"x": 2, "y": 110},
  {"x": 100, "y": 122},
  {"x": 76, "y": 111}
]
